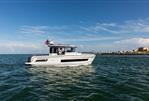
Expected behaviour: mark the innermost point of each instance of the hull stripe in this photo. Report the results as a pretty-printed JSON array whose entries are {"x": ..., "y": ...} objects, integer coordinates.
[{"x": 73, "y": 60}]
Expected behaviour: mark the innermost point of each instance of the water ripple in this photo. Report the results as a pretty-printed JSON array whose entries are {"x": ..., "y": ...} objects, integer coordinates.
[{"x": 110, "y": 78}]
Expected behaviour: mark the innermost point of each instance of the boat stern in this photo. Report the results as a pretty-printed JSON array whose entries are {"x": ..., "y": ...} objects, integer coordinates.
[{"x": 28, "y": 62}]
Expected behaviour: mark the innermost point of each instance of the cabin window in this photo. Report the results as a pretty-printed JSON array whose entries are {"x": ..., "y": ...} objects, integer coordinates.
[
  {"x": 70, "y": 50},
  {"x": 50, "y": 50},
  {"x": 42, "y": 60},
  {"x": 53, "y": 50},
  {"x": 73, "y": 60}
]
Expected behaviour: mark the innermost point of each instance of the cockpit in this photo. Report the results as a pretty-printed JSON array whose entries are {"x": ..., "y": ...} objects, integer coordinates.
[{"x": 61, "y": 50}]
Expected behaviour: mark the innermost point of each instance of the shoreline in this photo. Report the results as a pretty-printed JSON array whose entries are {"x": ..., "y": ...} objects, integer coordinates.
[{"x": 123, "y": 53}]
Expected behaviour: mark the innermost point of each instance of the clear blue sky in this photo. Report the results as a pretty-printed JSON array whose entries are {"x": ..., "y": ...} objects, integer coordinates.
[{"x": 93, "y": 25}]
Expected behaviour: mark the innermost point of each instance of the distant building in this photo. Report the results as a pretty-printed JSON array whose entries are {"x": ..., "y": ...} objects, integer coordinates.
[{"x": 141, "y": 49}]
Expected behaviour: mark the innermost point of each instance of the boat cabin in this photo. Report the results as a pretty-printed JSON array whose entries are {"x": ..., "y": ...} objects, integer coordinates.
[{"x": 61, "y": 49}]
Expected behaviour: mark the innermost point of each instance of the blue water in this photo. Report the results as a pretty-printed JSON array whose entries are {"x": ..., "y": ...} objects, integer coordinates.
[{"x": 109, "y": 78}]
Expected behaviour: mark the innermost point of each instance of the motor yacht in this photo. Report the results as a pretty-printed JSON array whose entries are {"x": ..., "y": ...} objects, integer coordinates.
[{"x": 61, "y": 55}]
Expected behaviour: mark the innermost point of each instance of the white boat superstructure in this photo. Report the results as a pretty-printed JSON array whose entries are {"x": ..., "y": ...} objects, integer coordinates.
[{"x": 61, "y": 55}]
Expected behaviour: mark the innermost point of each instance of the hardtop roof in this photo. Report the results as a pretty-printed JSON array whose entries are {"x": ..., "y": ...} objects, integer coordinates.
[{"x": 62, "y": 46}]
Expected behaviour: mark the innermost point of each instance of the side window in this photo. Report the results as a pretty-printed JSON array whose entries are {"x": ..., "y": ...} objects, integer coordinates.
[
  {"x": 53, "y": 50},
  {"x": 72, "y": 49},
  {"x": 50, "y": 50},
  {"x": 42, "y": 60}
]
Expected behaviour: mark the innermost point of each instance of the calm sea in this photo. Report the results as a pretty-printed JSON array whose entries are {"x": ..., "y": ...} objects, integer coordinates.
[{"x": 109, "y": 78}]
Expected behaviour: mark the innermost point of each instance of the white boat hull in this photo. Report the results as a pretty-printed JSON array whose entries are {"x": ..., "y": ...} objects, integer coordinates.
[{"x": 62, "y": 60}]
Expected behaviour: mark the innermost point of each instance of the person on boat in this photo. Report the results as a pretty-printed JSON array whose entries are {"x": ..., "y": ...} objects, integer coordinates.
[
  {"x": 59, "y": 51},
  {"x": 63, "y": 50}
]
